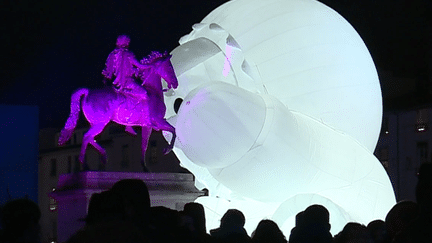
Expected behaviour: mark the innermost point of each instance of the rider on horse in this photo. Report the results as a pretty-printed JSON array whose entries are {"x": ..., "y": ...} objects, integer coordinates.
[{"x": 122, "y": 64}]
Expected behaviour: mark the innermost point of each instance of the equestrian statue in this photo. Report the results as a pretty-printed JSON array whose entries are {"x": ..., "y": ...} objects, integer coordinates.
[{"x": 126, "y": 102}]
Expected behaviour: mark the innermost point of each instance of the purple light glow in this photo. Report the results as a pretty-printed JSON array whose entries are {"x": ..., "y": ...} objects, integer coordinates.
[
  {"x": 129, "y": 105},
  {"x": 227, "y": 65}
]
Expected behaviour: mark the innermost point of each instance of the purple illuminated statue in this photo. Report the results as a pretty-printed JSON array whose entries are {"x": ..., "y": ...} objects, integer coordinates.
[
  {"x": 128, "y": 103},
  {"x": 121, "y": 64}
]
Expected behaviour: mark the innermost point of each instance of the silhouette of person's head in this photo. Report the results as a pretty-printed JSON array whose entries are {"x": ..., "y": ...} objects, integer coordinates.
[
  {"x": 104, "y": 206},
  {"x": 400, "y": 216},
  {"x": 298, "y": 218},
  {"x": 233, "y": 217},
  {"x": 231, "y": 228},
  {"x": 196, "y": 212},
  {"x": 165, "y": 223},
  {"x": 268, "y": 231},
  {"x": 135, "y": 198},
  {"x": 312, "y": 225},
  {"x": 353, "y": 232},
  {"x": 20, "y": 221},
  {"x": 378, "y": 231},
  {"x": 134, "y": 191},
  {"x": 316, "y": 214}
]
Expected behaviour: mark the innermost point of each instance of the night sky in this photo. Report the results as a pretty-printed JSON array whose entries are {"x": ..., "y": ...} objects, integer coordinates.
[{"x": 51, "y": 48}]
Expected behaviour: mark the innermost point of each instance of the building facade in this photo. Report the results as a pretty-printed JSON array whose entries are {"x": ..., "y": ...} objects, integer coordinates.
[
  {"x": 123, "y": 152},
  {"x": 404, "y": 144}
]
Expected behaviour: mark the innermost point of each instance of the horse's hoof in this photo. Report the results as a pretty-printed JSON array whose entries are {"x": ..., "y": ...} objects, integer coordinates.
[
  {"x": 82, "y": 159},
  {"x": 167, "y": 151},
  {"x": 145, "y": 169}
]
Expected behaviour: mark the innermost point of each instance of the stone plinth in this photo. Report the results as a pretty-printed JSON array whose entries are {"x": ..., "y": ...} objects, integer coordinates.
[{"x": 74, "y": 191}]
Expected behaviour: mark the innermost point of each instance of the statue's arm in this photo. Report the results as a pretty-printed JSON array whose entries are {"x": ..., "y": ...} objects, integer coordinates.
[
  {"x": 138, "y": 64},
  {"x": 109, "y": 67}
]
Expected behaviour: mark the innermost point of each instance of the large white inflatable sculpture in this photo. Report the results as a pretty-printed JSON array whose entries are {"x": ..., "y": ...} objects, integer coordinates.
[{"x": 281, "y": 109}]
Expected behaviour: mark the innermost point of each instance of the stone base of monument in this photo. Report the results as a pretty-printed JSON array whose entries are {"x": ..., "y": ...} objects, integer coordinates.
[{"x": 73, "y": 193}]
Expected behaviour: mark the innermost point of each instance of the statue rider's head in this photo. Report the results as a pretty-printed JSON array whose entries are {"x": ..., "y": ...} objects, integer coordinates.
[{"x": 123, "y": 41}]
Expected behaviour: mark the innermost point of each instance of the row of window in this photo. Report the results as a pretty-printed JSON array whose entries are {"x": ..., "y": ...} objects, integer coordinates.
[
  {"x": 72, "y": 166},
  {"x": 410, "y": 163},
  {"x": 78, "y": 135},
  {"x": 421, "y": 123}
]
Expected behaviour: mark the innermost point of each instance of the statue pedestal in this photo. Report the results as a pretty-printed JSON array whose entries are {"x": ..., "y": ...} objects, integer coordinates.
[{"x": 73, "y": 193}]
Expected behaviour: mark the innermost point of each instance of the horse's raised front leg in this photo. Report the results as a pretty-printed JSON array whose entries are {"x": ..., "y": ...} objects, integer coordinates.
[
  {"x": 165, "y": 126},
  {"x": 145, "y": 135},
  {"x": 89, "y": 138}
]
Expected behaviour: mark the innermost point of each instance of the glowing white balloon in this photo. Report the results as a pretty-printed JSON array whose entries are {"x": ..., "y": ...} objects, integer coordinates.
[{"x": 282, "y": 109}]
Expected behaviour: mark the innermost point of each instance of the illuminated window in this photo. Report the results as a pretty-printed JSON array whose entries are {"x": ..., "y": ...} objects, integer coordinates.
[
  {"x": 421, "y": 127},
  {"x": 385, "y": 126},
  {"x": 53, "y": 204},
  {"x": 422, "y": 120}
]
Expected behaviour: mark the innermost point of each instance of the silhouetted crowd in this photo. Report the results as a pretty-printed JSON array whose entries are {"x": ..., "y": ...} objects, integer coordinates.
[{"x": 123, "y": 214}]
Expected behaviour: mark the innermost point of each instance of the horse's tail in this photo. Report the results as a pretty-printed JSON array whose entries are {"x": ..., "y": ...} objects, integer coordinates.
[{"x": 71, "y": 122}]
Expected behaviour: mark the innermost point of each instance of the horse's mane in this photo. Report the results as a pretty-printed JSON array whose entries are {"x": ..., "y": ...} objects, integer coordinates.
[{"x": 154, "y": 56}]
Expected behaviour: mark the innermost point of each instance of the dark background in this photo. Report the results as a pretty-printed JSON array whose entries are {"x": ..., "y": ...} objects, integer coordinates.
[{"x": 50, "y": 48}]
